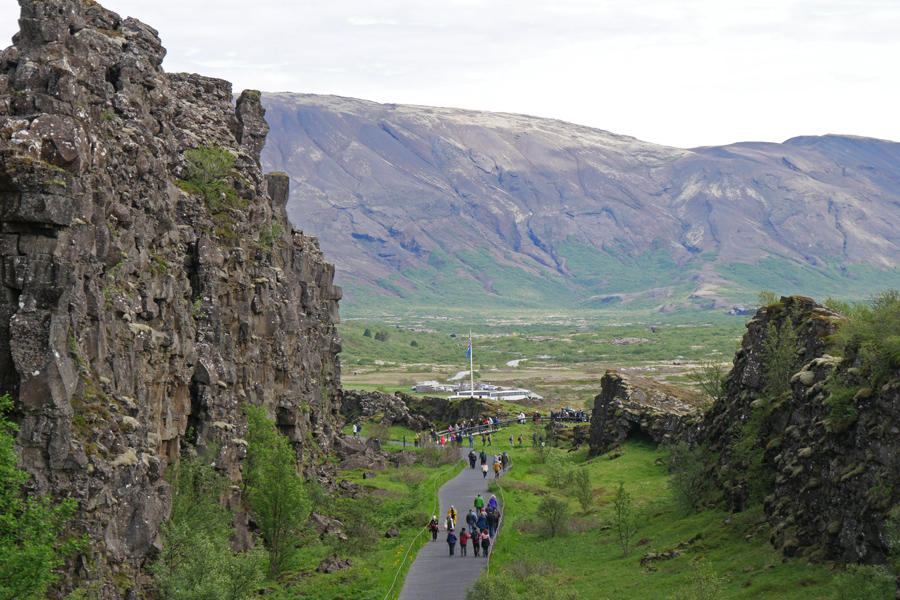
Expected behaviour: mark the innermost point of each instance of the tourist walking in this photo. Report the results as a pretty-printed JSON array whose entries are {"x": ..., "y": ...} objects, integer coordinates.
[
  {"x": 471, "y": 519},
  {"x": 485, "y": 541},
  {"x": 478, "y": 504},
  {"x": 472, "y": 458},
  {"x": 497, "y": 467},
  {"x": 451, "y": 515},
  {"x": 463, "y": 541},
  {"x": 433, "y": 528},
  {"x": 484, "y": 470},
  {"x": 451, "y": 541}
]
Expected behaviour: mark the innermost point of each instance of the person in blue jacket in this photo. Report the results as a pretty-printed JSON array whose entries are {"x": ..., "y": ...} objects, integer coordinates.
[{"x": 451, "y": 541}]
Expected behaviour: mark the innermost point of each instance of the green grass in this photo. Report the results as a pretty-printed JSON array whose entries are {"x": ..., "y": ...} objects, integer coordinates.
[
  {"x": 373, "y": 570},
  {"x": 592, "y": 564}
]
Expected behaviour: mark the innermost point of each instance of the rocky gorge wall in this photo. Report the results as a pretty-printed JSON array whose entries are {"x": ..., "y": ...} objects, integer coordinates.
[
  {"x": 133, "y": 316},
  {"x": 827, "y": 483}
]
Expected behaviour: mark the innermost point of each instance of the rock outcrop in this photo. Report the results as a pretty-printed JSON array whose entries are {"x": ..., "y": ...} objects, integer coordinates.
[
  {"x": 135, "y": 314},
  {"x": 388, "y": 409},
  {"x": 630, "y": 407}
]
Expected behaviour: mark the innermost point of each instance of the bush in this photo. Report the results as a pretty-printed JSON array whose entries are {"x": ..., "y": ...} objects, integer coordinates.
[
  {"x": 435, "y": 455},
  {"x": 581, "y": 488},
  {"x": 559, "y": 472},
  {"x": 196, "y": 562},
  {"x": 703, "y": 584},
  {"x": 779, "y": 355},
  {"x": 689, "y": 481},
  {"x": 710, "y": 377},
  {"x": 865, "y": 582},
  {"x": 502, "y": 586},
  {"x": 208, "y": 169},
  {"x": 382, "y": 336},
  {"x": 380, "y": 432},
  {"x": 31, "y": 545},
  {"x": 872, "y": 335},
  {"x": 552, "y": 516}
]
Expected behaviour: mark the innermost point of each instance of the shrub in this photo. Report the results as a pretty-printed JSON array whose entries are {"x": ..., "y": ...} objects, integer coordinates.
[
  {"x": 559, "y": 472},
  {"x": 435, "y": 455},
  {"x": 196, "y": 562},
  {"x": 382, "y": 336},
  {"x": 581, "y": 489},
  {"x": 367, "y": 333},
  {"x": 779, "y": 355},
  {"x": 872, "y": 335},
  {"x": 552, "y": 516},
  {"x": 207, "y": 169},
  {"x": 31, "y": 545},
  {"x": 710, "y": 377},
  {"x": 269, "y": 236},
  {"x": 865, "y": 582},
  {"x": 703, "y": 584},
  {"x": 689, "y": 481},
  {"x": 380, "y": 432}
]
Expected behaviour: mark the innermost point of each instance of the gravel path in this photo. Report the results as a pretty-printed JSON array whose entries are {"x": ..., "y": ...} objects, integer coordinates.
[{"x": 434, "y": 573}]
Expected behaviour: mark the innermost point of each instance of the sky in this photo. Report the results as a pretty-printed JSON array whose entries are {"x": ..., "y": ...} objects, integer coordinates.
[{"x": 686, "y": 74}]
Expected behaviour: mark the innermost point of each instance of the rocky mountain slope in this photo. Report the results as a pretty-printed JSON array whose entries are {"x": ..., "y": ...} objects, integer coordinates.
[
  {"x": 419, "y": 205},
  {"x": 135, "y": 315}
]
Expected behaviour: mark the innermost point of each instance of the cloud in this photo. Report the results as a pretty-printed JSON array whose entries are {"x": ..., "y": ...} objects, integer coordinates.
[{"x": 697, "y": 72}]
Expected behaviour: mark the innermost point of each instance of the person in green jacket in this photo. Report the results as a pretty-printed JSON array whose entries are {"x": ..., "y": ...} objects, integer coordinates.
[{"x": 479, "y": 504}]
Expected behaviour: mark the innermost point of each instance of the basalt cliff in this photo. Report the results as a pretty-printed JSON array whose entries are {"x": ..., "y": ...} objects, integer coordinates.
[
  {"x": 135, "y": 315},
  {"x": 825, "y": 470}
]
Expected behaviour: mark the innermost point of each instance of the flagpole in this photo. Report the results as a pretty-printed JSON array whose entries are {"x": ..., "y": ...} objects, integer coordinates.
[{"x": 471, "y": 369}]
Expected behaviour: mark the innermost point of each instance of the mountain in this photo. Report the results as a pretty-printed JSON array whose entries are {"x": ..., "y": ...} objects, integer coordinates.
[{"x": 431, "y": 207}]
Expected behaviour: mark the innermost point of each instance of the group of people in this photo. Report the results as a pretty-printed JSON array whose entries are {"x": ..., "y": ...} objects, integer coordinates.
[
  {"x": 482, "y": 523},
  {"x": 498, "y": 462}
]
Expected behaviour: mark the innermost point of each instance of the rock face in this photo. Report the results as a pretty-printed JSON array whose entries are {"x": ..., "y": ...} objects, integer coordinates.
[
  {"x": 832, "y": 481},
  {"x": 132, "y": 314},
  {"x": 390, "y": 409},
  {"x": 501, "y": 208},
  {"x": 638, "y": 408}
]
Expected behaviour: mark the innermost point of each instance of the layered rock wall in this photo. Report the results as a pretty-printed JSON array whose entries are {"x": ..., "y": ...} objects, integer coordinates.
[{"x": 134, "y": 316}]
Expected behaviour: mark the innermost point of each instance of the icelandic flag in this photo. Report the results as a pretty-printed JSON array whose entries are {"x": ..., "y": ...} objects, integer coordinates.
[{"x": 469, "y": 351}]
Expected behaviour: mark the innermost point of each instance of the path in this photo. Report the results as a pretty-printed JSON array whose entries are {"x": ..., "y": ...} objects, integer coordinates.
[{"x": 434, "y": 574}]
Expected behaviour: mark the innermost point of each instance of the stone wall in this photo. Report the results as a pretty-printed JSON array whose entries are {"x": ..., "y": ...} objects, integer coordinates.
[{"x": 132, "y": 316}]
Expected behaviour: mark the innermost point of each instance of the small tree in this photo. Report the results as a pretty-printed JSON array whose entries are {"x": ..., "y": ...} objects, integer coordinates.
[
  {"x": 582, "y": 489},
  {"x": 710, "y": 377},
  {"x": 367, "y": 332},
  {"x": 32, "y": 543},
  {"x": 275, "y": 491},
  {"x": 208, "y": 169},
  {"x": 624, "y": 519},
  {"x": 779, "y": 355},
  {"x": 553, "y": 516},
  {"x": 382, "y": 336},
  {"x": 689, "y": 481}
]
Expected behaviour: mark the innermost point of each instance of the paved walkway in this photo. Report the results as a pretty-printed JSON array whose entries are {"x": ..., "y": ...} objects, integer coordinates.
[{"x": 434, "y": 573}]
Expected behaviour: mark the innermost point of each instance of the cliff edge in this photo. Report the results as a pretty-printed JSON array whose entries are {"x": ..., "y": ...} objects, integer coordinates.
[{"x": 136, "y": 312}]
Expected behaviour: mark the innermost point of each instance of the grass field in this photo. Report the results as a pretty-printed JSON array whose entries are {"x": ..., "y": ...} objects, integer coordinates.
[{"x": 590, "y": 561}]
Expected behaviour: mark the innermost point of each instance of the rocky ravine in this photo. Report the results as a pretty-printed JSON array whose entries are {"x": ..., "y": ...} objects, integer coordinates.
[
  {"x": 833, "y": 480},
  {"x": 416, "y": 203},
  {"x": 130, "y": 316}
]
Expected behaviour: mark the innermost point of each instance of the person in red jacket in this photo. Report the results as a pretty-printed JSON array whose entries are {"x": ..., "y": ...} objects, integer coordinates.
[{"x": 464, "y": 538}]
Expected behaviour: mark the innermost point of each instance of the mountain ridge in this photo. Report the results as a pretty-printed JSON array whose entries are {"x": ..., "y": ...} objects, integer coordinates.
[{"x": 417, "y": 204}]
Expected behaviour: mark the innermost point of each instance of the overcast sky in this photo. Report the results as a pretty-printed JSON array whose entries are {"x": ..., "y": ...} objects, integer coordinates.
[{"x": 686, "y": 74}]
